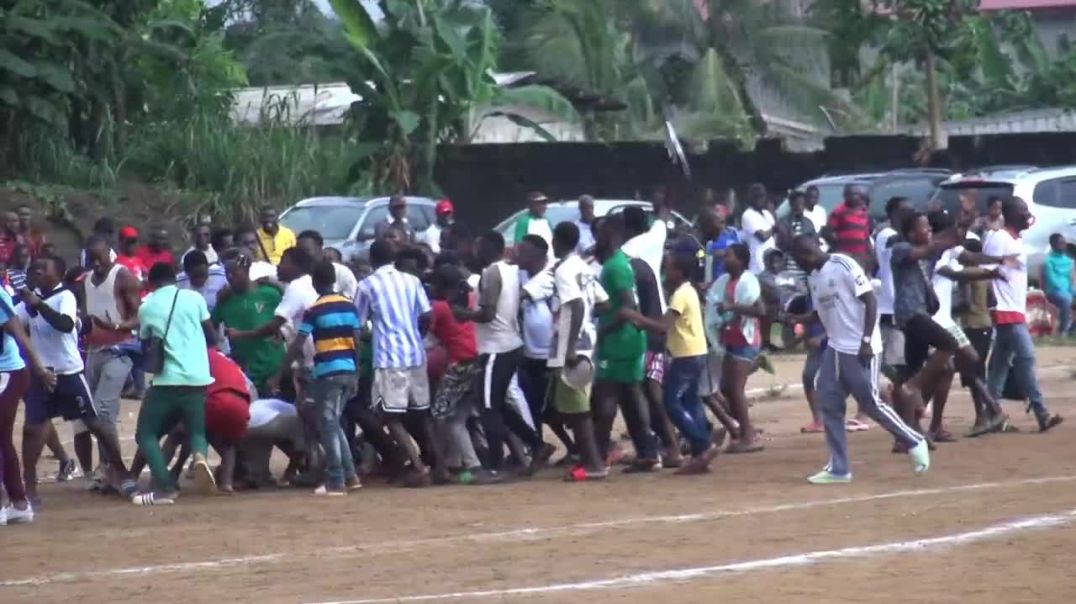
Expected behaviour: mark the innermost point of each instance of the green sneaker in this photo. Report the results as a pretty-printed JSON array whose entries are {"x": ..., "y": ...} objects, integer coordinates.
[
  {"x": 827, "y": 477},
  {"x": 765, "y": 364},
  {"x": 920, "y": 455},
  {"x": 465, "y": 477}
]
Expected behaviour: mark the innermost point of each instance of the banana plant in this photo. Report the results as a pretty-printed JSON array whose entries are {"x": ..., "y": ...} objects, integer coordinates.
[{"x": 423, "y": 71}]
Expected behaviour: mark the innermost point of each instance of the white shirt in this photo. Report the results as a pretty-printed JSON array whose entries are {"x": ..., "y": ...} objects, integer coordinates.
[
  {"x": 346, "y": 283},
  {"x": 754, "y": 221},
  {"x": 835, "y": 290},
  {"x": 537, "y": 315},
  {"x": 299, "y": 296},
  {"x": 502, "y": 333},
  {"x": 586, "y": 237},
  {"x": 573, "y": 280},
  {"x": 650, "y": 248},
  {"x": 260, "y": 269},
  {"x": 817, "y": 215},
  {"x": 1011, "y": 292},
  {"x": 432, "y": 237},
  {"x": 57, "y": 349},
  {"x": 210, "y": 255},
  {"x": 943, "y": 286},
  {"x": 885, "y": 270},
  {"x": 265, "y": 410}
]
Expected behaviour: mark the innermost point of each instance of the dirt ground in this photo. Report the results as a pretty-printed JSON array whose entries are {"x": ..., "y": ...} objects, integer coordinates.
[{"x": 994, "y": 520}]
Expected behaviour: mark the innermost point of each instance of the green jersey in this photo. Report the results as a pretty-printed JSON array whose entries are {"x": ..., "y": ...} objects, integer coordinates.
[{"x": 260, "y": 358}]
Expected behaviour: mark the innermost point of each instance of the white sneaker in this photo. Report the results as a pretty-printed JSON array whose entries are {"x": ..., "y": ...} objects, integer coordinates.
[
  {"x": 3, "y": 516},
  {"x": 920, "y": 455},
  {"x": 17, "y": 516}
]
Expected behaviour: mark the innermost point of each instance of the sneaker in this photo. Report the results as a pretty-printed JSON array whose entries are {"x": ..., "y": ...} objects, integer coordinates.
[
  {"x": 1050, "y": 422},
  {"x": 920, "y": 455},
  {"x": 827, "y": 477},
  {"x": 68, "y": 471},
  {"x": 324, "y": 491},
  {"x": 151, "y": 499},
  {"x": 480, "y": 477},
  {"x": 3, "y": 516},
  {"x": 17, "y": 516},
  {"x": 765, "y": 364},
  {"x": 202, "y": 476}
]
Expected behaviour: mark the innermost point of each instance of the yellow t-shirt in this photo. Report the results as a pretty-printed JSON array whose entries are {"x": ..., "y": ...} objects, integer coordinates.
[
  {"x": 274, "y": 246},
  {"x": 687, "y": 338}
]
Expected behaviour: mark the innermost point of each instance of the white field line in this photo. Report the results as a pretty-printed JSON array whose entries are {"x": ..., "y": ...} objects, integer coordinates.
[
  {"x": 650, "y": 578},
  {"x": 516, "y": 535}
]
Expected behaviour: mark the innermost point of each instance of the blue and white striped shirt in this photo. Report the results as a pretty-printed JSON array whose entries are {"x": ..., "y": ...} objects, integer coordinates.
[{"x": 393, "y": 302}]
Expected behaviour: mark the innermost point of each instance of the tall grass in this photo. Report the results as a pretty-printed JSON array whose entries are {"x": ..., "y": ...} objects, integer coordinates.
[
  {"x": 236, "y": 169},
  {"x": 231, "y": 170}
]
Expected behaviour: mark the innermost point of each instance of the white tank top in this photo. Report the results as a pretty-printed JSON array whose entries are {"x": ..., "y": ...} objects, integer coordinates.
[
  {"x": 502, "y": 333},
  {"x": 101, "y": 302}
]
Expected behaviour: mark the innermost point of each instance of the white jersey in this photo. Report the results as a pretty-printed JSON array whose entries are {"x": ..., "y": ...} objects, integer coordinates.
[
  {"x": 885, "y": 270},
  {"x": 574, "y": 280},
  {"x": 1010, "y": 292},
  {"x": 835, "y": 292},
  {"x": 57, "y": 349},
  {"x": 943, "y": 286}
]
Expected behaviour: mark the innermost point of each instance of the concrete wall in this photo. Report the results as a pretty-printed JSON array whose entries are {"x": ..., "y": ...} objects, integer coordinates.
[{"x": 489, "y": 182}]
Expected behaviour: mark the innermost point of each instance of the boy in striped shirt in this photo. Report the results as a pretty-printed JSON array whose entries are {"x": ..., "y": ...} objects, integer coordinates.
[{"x": 334, "y": 325}]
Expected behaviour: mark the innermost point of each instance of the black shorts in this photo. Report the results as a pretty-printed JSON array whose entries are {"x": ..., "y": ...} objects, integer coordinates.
[
  {"x": 921, "y": 333},
  {"x": 71, "y": 399}
]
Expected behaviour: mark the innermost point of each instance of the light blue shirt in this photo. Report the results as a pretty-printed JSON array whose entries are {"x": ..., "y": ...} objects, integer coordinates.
[
  {"x": 186, "y": 356},
  {"x": 393, "y": 301},
  {"x": 212, "y": 286},
  {"x": 10, "y": 359}
]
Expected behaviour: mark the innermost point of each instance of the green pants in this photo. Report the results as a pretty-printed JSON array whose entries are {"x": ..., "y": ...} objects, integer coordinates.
[{"x": 160, "y": 407}]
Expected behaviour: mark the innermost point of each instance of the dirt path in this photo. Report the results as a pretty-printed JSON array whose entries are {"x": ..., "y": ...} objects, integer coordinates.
[{"x": 751, "y": 530}]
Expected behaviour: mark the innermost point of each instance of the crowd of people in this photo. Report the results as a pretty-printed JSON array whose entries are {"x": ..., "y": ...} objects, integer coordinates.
[{"x": 463, "y": 360}]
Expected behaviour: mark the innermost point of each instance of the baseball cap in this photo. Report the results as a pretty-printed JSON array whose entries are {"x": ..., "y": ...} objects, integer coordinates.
[
  {"x": 444, "y": 207},
  {"x": 128, "y": 232}
]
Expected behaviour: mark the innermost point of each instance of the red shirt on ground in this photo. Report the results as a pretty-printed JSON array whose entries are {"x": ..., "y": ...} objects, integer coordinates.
[
  {"x": 457, "y": 338},
  {"x": 851, "y": 230},
  {"x": 150, "y": 257},
  {"x": 227, "y": 401}
]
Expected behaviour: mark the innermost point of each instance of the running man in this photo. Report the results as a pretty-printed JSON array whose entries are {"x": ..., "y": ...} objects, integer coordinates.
[
  {"x": 51, "y": 318},
  {"x": 1013, "y": 348},
  {"x": 572, "y": 352},
  {"x": 333, "y": 324},
  {"x": 621, "y": 353},
  {"x": 844, "y": 300}
]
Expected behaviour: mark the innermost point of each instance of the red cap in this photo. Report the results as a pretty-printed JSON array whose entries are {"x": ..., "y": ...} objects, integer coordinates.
[
  {"x": 444, "y": 207},
  {"x": 128, "y": 232}
]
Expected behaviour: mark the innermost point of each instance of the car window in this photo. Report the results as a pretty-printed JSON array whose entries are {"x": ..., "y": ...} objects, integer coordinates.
[
  {"x": 1056, "y": 193},
  {"x": 830, "y": 195},
  {"x": 333, "y": 222},
  {"x": 418, "y": 217},
  {"x": 377, "y": 214},
  {"x": 949, "y": 197}
]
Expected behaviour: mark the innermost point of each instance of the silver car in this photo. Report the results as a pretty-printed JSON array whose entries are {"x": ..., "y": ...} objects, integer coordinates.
[
  {"x": 1050, "y": 194},
  {"x": 347, "y": 223},
  {"x": 560, "y": 211}
]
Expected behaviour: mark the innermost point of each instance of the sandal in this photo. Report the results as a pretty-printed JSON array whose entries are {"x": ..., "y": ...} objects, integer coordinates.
[
  {"x": 854, "y": 425},
  {"x": 942, "y": 436},
  {"x": 812, "y": 428},
  {"x": 738, "y": 447},
  {"x": 581, "y": 474}
]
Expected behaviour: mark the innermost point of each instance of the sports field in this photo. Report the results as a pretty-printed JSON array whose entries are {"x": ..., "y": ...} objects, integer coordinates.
[{"x": 993, "y": 521}]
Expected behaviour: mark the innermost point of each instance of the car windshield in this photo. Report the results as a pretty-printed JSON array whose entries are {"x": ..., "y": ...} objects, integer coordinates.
[
  {"x": 917, "y": 190},
  {"x": 333, "y": 222},
  {"x": 559, "y": 214},
  {"x": 949, "y": 196},
  {"x": 829, "y": 195}
]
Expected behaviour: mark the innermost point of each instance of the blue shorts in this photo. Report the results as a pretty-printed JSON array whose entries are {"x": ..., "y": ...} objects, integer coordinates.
[
  {"x": 743, "y": 353},
  {"x": 71, "y": 399}
]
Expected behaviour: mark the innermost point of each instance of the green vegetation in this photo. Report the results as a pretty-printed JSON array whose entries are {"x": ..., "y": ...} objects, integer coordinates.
[{"x": 96, "y": 93}]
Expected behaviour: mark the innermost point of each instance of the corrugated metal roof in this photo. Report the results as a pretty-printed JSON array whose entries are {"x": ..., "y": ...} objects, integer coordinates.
[
  {"x": 988, "y": 5},
  {"x": 1035, "y": 120}
]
